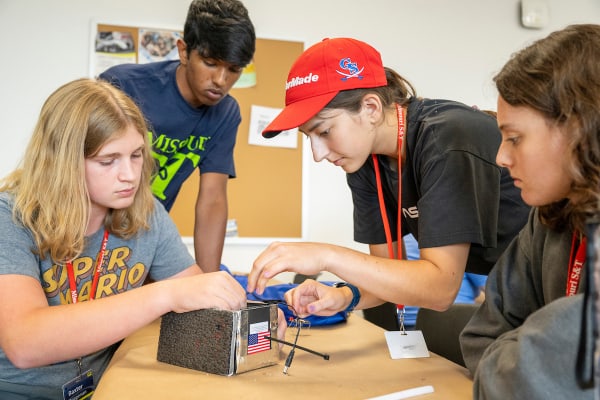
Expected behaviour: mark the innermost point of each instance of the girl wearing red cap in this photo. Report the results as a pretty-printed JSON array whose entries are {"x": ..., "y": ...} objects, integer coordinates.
[{"x": 414, "y": 165}]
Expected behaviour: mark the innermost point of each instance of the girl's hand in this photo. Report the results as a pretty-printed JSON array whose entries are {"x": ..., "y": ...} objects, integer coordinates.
[
  {"x": 302, "y": 258},
  {"x": 314, "y": 298}
]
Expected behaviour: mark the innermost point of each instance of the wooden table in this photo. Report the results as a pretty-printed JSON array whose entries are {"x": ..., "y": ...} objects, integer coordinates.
[{"x": 359, "y": 367}]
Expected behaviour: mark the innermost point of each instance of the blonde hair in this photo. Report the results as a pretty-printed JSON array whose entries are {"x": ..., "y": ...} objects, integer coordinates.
[{"x": 49, "y": 187}]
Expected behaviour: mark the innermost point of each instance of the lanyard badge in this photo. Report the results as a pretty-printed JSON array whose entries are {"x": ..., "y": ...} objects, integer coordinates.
[
  {"x": 82, "y": 386},
  {"x": 386, "y": 223},
  {"x": 79, "y": 388}
]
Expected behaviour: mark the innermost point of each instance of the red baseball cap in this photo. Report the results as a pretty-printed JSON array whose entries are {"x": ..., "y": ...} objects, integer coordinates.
[{"x": 320, "y": 73}]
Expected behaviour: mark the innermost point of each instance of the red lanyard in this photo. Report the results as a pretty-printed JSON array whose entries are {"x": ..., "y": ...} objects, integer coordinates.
[
  {"x": 71, "y": 273},
  {"x": 386, "y": 222},
  {"x": 575, "y": 265}
]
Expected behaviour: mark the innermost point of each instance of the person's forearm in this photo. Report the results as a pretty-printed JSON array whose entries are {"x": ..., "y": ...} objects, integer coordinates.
[
  {"x": 76, "y": 330},
  {"x": 209, "y": 238},
  {"x": 415, "y": 282}
]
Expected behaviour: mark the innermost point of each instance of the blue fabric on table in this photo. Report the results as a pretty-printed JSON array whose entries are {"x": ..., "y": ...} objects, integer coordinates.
[{"x": 276, "y": 293}]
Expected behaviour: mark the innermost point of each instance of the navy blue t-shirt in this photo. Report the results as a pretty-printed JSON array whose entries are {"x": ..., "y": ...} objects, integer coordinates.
[
  {"x": 452, "y": 189},
  {"x": 183, "y": 137}
]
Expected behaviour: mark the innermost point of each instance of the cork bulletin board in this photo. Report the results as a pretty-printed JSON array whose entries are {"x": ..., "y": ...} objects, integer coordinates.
[{"x": 265, "y": 199}]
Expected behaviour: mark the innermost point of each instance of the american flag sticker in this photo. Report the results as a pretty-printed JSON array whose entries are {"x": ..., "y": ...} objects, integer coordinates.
[{"x": 256, "y": 337}]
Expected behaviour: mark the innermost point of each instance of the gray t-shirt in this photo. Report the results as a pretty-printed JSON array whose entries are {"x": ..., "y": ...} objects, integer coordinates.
[{"x": 158, "y": 252}]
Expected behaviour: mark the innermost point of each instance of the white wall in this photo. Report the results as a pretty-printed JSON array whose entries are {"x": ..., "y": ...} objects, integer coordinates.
[{"x": 446, "y": 48}]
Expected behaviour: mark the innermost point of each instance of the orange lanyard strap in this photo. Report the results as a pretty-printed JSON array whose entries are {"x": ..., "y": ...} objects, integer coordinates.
[
  {"x": 386, "y": 222},
  {"x": 99, "y": 262},
  {"x": 576, "y": 261}
]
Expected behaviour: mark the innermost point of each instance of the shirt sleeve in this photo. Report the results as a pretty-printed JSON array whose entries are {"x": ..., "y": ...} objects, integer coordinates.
[
  {"x": 459, "y": 203},
  {"x": 536, "y": 360},
  {"x": 171, "y": 255},
  {"x": 220, "y": 147},
  {"x": 529, "y": 276},
  {"x": 16, "y": 255},
  {"x": 510, "y": 297},
  {"x": 111, "y": 77}
]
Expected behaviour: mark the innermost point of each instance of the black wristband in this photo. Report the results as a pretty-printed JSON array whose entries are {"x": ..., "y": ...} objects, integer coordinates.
[{"x": 355, "y": 296}]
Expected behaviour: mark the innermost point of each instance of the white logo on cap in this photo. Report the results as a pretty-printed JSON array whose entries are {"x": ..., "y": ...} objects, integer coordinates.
[{"x": 297, "y": 81}]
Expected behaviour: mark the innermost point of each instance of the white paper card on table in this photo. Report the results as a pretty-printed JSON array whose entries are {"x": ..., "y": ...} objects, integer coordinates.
[
  {"x": 405, "y": 394},
  {"x": 407, "y": 344}
]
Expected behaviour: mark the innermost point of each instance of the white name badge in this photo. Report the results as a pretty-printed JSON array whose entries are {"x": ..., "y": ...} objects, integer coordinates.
[{"x": 407, "y": 344}]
